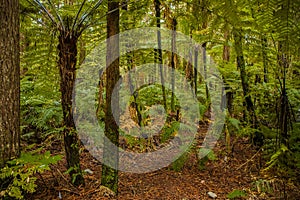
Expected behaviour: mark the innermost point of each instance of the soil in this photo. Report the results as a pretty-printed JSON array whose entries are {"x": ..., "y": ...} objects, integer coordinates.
[{"x": 238, "y": 170}]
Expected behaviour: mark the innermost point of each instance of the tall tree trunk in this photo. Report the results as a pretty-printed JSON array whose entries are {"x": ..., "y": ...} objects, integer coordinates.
[
  {"x": 284, "y": 113},
  {"x": 257, "y": 137},
  {"x": 189, "y": 68},
  {"x": 204, "y": 54},
  {"x": 265, "y": 57},
  {"x": 174, "y": 24},
  {"x": 9, "y": 81},
  {"x": 228, "y": 101},
  {"x": 67, "y": 67},
  {"x": 134, "y": 104},
  {"x": 111, "y": 155},
  {"x": 242, "y": 67},
  {"x": 158, "y": 52},
  {"x": 100, "y": 105},
  {"x": 196, "y": 69}
]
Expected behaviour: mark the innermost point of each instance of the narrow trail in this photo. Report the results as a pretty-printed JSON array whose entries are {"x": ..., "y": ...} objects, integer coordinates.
[{"x": 237, "y": 171}]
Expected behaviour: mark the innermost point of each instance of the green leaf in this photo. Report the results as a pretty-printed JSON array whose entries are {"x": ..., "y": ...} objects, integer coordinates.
[
  {"x": 236, "y": 194},
  {"x": 235, "y": 123}
]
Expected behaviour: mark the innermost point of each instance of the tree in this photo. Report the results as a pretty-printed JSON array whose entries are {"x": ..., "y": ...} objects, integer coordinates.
[
  {"x": 70, "y": 29},
  {"x": 109, "y": 176},
  {"x": 158, "y": 52},
  {"x": 9, "y": 81}
]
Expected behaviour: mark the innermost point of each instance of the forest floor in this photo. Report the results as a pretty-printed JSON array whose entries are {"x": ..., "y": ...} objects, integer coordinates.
[{"x": 241, "y": 170}]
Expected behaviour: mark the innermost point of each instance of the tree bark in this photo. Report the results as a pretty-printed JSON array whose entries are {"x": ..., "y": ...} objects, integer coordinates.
[
  {"x": 257, "y": 138},
  {"x": 265, "y": 57},
  {"x": 109, "y": 176},
  {"x": 228, "y": 90},
  {"x": 204, "y": 57},
  {"x": 242, "y": 67},
  {"x": 9, "y": 81},
  {"x": 174, "y": 24},
  {"x": 189, "y": 68},
  {"x": 67, "y": 67},
  {"x": 158, "y": 52}
]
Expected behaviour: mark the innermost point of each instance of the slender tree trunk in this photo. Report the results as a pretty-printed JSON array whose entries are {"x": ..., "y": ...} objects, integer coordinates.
[
  {"x": 228, "y": 101},
  {"x": 196, "y": 70},
  {"x": 242, "y": 67},
  {"x": 284, "y": 114},
  {"x": 174, "y": 24},
  {"x": 100, "y": 105},
  {"x": 109, "y": 176},
  {"x": 265, "y": 57},
  {"x": 135, "y": 104},
  {"x": 205, "y": 68},
  {"x": 9, "y": 81},
  {"x": 67, "y": 67},
  {"x": 257, "y": 137},
  {"x": 158, "y": 52},
  {"x": 189, "y": 68}
]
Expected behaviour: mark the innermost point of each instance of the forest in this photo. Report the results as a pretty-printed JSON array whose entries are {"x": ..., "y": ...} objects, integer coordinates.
[{"x": 139, "y": 99}]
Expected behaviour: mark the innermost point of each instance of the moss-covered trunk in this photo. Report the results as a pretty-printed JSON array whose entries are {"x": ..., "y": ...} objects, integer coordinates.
[
  {"x": 67, "y": 67},
  {"x": 257, "y": 137},
  {"x": 109, "y": 176},
  {"x": 244, "y": 78},
  {"x": 228, "y": 101}
]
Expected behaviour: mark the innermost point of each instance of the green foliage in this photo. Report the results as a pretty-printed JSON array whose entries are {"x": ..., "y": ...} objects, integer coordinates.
[
  {"x": 41, "y": 115},
  {"x": 268, "y": 28},
  {"x": 156, "y": 96},
  {"x": 179, "y": 163},
  {"x": 210, "y": 156},
  {"x": 263, "y": 186},
  {"x": 136, "y": 142},
  {"x": 74, "y": 175},
  {"x": 285, "y": 160},
  {"x": 294, "y": 159},
  {"x": 169, "y": 131},
  {"x": 18, "y": 174},
  {"x": 275, "y": 157},
  {"x": 234, "y": 122},
  {"x": 236, "y": 194},
  {"x": 41, "y": 112}
]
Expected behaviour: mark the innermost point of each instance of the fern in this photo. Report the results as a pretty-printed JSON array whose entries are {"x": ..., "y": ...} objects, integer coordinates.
[
  {"x": 18, "y": 174},
  {"x": 236, "y": 194}
]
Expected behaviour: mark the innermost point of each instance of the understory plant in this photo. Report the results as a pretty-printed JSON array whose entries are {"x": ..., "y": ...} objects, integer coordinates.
[{"x": 18, "y": 176}]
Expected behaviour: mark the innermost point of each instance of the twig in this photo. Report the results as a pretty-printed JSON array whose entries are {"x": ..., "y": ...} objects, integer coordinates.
[
  {"x": 70, "y": 191},
  {"x": 65, "y": 178},
  {"x": 248, "y": 160}
]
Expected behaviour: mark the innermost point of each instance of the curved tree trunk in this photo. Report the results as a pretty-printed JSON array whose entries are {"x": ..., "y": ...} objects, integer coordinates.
[{"x": 9, "y": 81}]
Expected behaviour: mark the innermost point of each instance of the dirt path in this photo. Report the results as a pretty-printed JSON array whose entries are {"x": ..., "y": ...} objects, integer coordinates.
[{"x": 237, "y": 171}]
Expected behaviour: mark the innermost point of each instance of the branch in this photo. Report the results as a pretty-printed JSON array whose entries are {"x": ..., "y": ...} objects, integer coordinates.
[
  {"x": 57, "y": 15},
  {"x": 251, "y": 159},
  {"x": 46, "y": 11},
  {"x": 77, "y": 15},
  {"x": 87, "y": 14}
]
